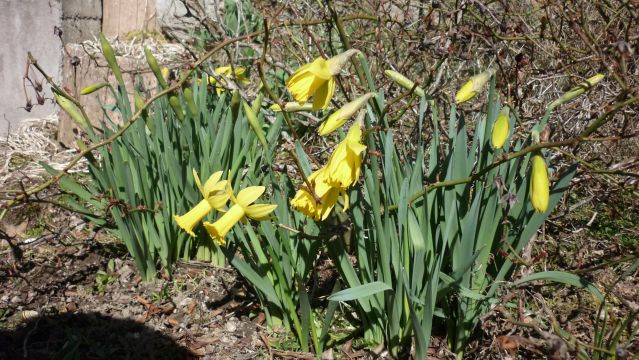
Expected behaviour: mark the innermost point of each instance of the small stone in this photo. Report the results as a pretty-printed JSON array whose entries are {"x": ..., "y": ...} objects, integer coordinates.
[{"x": 231, "y": 326}]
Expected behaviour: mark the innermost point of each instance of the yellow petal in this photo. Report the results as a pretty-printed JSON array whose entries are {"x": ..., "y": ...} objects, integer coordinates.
[
  {"x": 320, "y": 68},
  {"x": 190, "y": 220},
  {"x": 213, "y": 183},
  {"x": 259, "y": 211},
  {"x": 248, "y": 195},
  {"x": 223, "y": 225},
  {"x": 501, "y": 128},
  {"x": 539, "y": 185},
  {"x": 322, "y": 97}
]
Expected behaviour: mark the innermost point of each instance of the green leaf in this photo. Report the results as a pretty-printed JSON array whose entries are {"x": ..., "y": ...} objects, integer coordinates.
[
  {"x": 564, "y": 278},
  {"x": 360, "y": 291}
]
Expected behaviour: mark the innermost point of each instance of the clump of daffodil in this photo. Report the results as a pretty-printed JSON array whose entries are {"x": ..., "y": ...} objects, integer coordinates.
[
  {"x": 237, "y": 73},
  {"x": 501, "y": 129},
  {"x": 404, "y": 82},
  {"x": 577, "y": 90},
  {"x": 292, "y": 106},
  {"x": 317, "y": 79},
  {"x": 215, "y": 196},
  {"x": 332, "y": 180},
  {"x": 242, "y": 208},
  {"x": 339, "y": 117},
  {"x": 473, "y": 86},
  {"x": 539, "y": 185}
]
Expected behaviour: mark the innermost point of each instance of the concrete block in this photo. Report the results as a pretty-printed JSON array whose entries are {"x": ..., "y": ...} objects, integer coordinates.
[
  {"x": 77, "y": 30},
  {"x": 83, "y": 9},
  {"x": 27, "y": 25}
]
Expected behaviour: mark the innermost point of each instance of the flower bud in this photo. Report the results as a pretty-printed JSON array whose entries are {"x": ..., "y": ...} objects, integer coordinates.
[
  {"x": 404, "y": 82},
  {"x": 577, "y": 90},
  {"x": 501, "y": 129},
  {"x": 473, "y": 86},
  {"x": 539, "y": 186},
  {"x": 92, "y": 88}
]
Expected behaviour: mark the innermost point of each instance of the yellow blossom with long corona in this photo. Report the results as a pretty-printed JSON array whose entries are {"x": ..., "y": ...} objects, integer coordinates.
[
  {"x": 238, "y": 73},
  {"x": 539, "y": 185},
  {"x": 215, "y": 196},
  {"x": 242, "y": 208},
  {"x": 317, "y": 80},
  {"x": 331, "y": 181}
]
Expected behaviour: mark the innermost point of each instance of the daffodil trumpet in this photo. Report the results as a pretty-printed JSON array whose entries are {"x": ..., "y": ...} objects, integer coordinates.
[
  {"x": 243, "y": 208},
  {"x": 317, "y": 80},
  {"x": 215, "y": 197},
  {"x": 339, "y": 117}
]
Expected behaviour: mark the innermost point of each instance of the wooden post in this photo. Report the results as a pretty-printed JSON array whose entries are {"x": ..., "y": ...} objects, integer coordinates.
[{"x": 122, "y": 16}]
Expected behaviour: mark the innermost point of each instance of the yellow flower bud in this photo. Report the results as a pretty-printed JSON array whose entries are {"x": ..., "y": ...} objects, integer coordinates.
[
  {"x": 339, "y": 117},
  {"x": 404, "y": 82},
  {"x": 539, "y": 185},
  {"x": 73, "y": 111},
  {"x": 577, "y": 90},
  {"x": 473, "y": 86},
  {"x": 292, "y": 106},
  {"x": 501, "y": 129},
  {"x": 92, "y": 88}
]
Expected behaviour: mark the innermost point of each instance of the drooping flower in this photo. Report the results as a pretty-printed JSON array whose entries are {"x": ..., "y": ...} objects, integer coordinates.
[
  {"x": 539, "y": 185},
  {"x": 577, "y": 90},
  {"x": 215, "y": 197},
  {"x": 237, "y": 73},
  {"x": 473, "y": 86},
  {"x": 242, "y": 208},
  {"x": 317, "y": 79},
  {"x": 331, "y": 181},
  {"x": 501, "y": 129},
  {"x": 345, "y": 163},
  {"x": 339, "y": 117},
  {"x": 305, "y": 202}
]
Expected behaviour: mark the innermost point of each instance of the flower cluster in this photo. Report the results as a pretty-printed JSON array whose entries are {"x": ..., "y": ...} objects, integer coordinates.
[
  {"x": 216, "y": 193},
  {"x": 332, "y": 180}
]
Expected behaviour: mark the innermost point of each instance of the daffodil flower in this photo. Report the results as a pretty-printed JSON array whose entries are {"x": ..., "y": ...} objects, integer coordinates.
[
  {"x": 317, "y": 79},
  {"x": 215, "y": 196},
  {"x": 243, "y": 207},
  {"x": 473, "y": 86},
  {"x": 292, "y": 106},
  {"x": 339, "y": 117},
  {"x": 539, "y": 186},
  {"x": 237, "y": 72},
  {"x": 306, "y": 203},
  {"x": 501, "y": 129},
  {"x": 345, "y": 163}
]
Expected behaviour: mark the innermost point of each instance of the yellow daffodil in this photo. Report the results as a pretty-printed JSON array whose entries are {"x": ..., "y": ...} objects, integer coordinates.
[
  {"x": 404, "y": 82},
  {"x": 339, "y": 117},
  {"x": 243, "y": 207},
  {"x": 345, "y": 163},
  {"x": 316, "y": 79},
  {"x": 473, "y": 86},
  {"x": 539, "y": 186},
  {"x": 215, "y": 197},
  {"x": 292, "y": 106},
  {"x": 306, "y": 203},
  {"x": 501, "y": 129},
  {"x": 165, "y": 73},
  {"x": 228, "y": 71},
  {"x": 577, "y": 90}
]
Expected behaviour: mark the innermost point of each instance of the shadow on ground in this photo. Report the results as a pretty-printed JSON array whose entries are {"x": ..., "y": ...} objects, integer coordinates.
[{"x": 87, "y": 336}]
